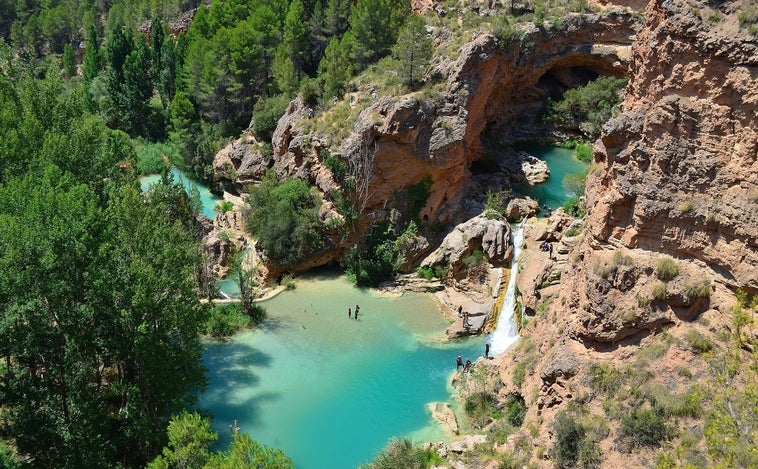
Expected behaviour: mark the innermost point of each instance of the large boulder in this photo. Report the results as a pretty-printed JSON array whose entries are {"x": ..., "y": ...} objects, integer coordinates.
[{"x": 487, "y": 232}]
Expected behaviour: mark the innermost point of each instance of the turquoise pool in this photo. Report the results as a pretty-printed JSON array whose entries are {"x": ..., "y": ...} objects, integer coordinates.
[
  {"x": 561, "y": 162},
  {"x": 328, "y": 390}
]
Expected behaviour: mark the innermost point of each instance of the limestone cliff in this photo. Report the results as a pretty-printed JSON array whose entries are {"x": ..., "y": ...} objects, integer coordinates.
[
  {"x": 647, "y": 307},
  {"x": 396, "y": 142}
]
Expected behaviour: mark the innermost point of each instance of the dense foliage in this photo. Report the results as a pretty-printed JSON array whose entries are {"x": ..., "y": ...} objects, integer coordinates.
[
  {"x": 587, "y": 108},
  {"x": 97, "y": 285},
  {"x": 190, "y": 438},
  {"x": 284, "y": 217}
]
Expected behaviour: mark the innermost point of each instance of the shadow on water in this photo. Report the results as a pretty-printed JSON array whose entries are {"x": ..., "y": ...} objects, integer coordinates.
[
  {"x": 232, "y": 368},
  {"x": 275, "y": 324}
]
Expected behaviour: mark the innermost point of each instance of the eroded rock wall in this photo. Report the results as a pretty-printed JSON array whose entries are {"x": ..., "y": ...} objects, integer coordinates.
[
  {"x": 678, "y": 171},
  {"x": 401, "y": 141}
]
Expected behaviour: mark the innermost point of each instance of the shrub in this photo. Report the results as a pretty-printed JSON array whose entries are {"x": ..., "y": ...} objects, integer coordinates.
[
  {"x": 266, "y": 114},
  {"x": 574, "y": 446},
  {"x": 226, "y": 320},
  {"x": 336, "y": 166},
  {"x": 620, "y": 258},
  {"x": 400, "y": 453},
  {"x": 666, "y": 268},
  {"x": 515, "y": 409},
  {"x": 568, "y": 206},
  {"x": 605, "y": 378},
  {"x": 310, "y": 91},
  {"x": 698, "y": 342},
  {"x": 660, "y": 291},
  {"x": 500, "y": 430},
  {"x": 645, "y": 427},
  {"x": 475, "y": 259},
  {"x": 701, "y": 289},
  {"x": 288, "y": 282},
  {"x": 584, "y": 152},
  {"x": 573, "y": 231},
  {"x": 223, "y": 206},
  {"x": 686, "y": 206},
  {"x": 602, "y": 270},
  {"x": 480, "y": 407},
  {"x": 425, "y": 272},
  {"x": 519, "y": 373}
]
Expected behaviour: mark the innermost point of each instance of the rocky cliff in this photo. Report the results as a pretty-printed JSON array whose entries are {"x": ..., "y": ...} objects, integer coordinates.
[
  {"x": 651, "y": 300},
  {"x": 395, "y": 142}
]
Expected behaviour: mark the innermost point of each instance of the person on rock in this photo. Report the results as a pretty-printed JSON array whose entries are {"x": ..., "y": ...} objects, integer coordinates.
[
  {"x": 467, "y": 366},
  {"x": 458, "y": 363},
  {"x": 550, "y": 251},
  {"x": 487, "y": 350}
]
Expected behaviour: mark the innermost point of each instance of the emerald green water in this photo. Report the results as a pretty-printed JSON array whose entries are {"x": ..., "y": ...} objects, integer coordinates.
[
  {"x": 327, "y": 390},
  {"x": 561, "y": 162},
  {"x": 207, "y": 199}
]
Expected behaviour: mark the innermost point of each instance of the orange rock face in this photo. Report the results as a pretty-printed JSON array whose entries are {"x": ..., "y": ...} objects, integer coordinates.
[{"x": 679, "y": 170}]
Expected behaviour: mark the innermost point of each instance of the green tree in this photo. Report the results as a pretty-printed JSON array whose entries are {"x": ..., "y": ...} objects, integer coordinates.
[
  {"x": 336, "y": 66},
  {"x": 48, "y": 240},
  {"x": 147, "y": 307},
  {"x": 191, "y": 437},
  {"x": 285, "y": 75},
  {"x": 587, "y": 108},
  {"x": 189, "y": 441},
  {"x": 92, "y": 63},
  {"x": 284, "y": 217},
  {"x": 295, "y": 39},
  {"x": 414, "y": 50},
  {"x": 374, "y": 25},
  {"x": 69, "y": 61}
]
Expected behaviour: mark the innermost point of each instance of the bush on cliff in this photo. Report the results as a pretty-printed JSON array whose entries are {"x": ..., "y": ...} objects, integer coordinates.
[
  {"x": 284, "y": 217},
  {"x": 588, "y": 107}
]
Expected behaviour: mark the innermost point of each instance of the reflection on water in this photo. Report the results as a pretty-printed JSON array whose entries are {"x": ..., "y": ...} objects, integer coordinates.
[{"x": 331, "y": 390}]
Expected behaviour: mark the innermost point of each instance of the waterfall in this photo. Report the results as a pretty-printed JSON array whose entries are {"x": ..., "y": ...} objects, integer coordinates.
[{"x": 506, "y": 333}]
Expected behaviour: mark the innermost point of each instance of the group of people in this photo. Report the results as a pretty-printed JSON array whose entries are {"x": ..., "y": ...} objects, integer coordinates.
[
  {"x": 467, "y": 366},
  {"x": 459, "y": 364},
  {"x": 350, "y": 313}
]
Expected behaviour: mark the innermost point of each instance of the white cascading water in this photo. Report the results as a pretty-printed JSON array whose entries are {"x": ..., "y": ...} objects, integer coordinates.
[{"x": 506, "y": 333}]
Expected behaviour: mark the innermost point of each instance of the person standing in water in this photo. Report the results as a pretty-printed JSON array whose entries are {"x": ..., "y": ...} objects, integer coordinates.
[
  {"x": 349, "y": 313},
  {"x": 487, "y": 350},
  {"x": 356, "y": 311}
]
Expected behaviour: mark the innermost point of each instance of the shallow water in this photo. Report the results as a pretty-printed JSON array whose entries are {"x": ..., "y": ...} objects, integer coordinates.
[
  {"x": 561, "y": 162},
  {"x": 328, "y": 390},
  {"x": 207, "y": 199}
]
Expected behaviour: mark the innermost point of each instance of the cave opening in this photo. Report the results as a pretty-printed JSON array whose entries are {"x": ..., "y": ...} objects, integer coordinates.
[{"x": 558, "y": 80}]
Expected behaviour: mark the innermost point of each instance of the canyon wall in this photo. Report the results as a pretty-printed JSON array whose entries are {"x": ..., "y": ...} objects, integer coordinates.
[
  {"x": 399, "y": 141},
  {"x": 678, "y": 172}
]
